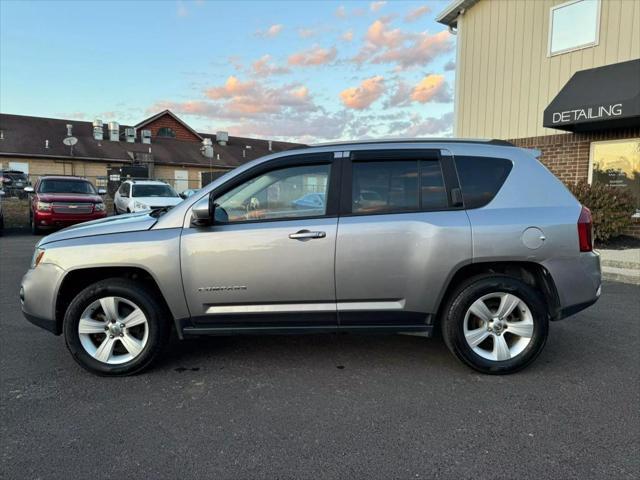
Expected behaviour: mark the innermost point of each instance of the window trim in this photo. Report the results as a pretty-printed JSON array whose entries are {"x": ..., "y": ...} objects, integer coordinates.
[
  {"x": 333, "y": 186},
  {"x": 595, "y": 43},
  {"x": 370, "y": 156}
]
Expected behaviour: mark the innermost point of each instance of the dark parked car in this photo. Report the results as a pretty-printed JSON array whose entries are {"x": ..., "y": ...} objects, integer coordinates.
[
  {"x": 63, "y": 201},
  {"x": 13, "y": 183}
]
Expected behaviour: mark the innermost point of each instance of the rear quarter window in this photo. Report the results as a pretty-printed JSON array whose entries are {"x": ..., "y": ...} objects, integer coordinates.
[{"x": 481, "y": 178}]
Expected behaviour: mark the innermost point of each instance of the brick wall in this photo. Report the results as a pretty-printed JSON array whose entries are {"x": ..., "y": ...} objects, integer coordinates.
[
  {"x": 567, "y": 154},
  {"x": 167, "y": 120}
]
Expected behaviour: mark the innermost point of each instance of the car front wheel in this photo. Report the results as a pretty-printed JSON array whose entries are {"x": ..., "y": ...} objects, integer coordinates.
[
  {"x": 496, "y": 324},
  {"x": 115, "y": 327}
]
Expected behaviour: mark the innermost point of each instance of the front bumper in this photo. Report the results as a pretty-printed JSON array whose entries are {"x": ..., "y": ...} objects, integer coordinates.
[
  {"x": 57, "y": 220},
  {"x": 38, "y": 293}
]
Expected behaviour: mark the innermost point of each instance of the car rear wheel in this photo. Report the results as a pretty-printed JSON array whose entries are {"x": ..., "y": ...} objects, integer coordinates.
[
  {"x": 115, "y": 327},
  {"x": 496, "y": 324}
]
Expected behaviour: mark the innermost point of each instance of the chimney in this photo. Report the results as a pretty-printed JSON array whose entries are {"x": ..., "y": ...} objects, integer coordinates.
[
  {"x": 114, "y": 131},
  {"x": 69, "y": 130},
  {"x": 146, "y": 136},
  {"x": 130, "y": 134},
  {"x": 222, "y": 137},
  {"x": 98, "y": 132}
]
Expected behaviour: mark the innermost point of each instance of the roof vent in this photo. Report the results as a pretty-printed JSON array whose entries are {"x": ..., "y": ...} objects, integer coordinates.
[
  {"x": 69, "y": 130},
  {"x": 98, "y": 132},
  {"x": 130, "y": 134},
  {"x": 222, "y": 138},
  {"x": 46, "y": 144},
  {"x": 207, "y": 148},
  {"x": 146, "y": 136},
  {"x": 114, "y": 131},
  {"x": 270, "y": 146}
]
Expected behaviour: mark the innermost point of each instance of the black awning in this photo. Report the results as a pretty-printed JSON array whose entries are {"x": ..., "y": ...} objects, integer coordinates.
[{"x": 598, "y": 98}]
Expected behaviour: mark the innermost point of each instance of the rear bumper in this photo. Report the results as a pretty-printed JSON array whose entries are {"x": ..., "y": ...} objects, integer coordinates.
[{"x": 578, "y": 281}]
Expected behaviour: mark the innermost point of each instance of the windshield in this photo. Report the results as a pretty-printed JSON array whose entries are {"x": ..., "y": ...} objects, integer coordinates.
[
  {"x": 66, "y": 186},
  {"x": 153, "y": 191}
]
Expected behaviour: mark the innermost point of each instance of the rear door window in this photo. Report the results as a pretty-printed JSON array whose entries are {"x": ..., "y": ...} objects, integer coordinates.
[
  {"x": 385, "y": 187},
  {"x": 397, "y": 186},
  {"x": 481, "y": 178}
]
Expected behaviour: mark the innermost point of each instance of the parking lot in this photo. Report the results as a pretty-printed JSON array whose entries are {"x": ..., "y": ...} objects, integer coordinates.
[{"x": 324, "y": 406}]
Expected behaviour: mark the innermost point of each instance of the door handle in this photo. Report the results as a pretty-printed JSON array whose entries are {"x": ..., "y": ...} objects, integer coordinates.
[{"x": 306, "y": 234}]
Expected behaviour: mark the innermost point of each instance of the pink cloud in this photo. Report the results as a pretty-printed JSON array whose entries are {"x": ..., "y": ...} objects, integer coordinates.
[
  {"x": 431, "y": 88},
  {"x": 271, "y": 32},
  {"x": 405, "y": 49},
  {"x": 380, "y": 36},
  {"x": 375, "y": 6},
  {"x": 416, "y": 13},
  {"x": 264, "y": 67},
  {"x": 347, "y": 36},
  {"x": 312, "y": 57},
  {"x": 232, "y": 87},
  {"x": 363, "y": 96},
  {"x": 241, "y": 100}
]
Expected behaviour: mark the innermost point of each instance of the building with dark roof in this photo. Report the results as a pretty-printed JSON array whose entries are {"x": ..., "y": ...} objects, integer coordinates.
[{"x": 167, "y": 147}]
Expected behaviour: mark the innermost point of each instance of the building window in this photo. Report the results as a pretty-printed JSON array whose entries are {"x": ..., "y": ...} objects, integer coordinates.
[
  {"x": 617, "y": 164},
  {"x": 166, "y": 132},
  {"x": 574, "y": 25}
]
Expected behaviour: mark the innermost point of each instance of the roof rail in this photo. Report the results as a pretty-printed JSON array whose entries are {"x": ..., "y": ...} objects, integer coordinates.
[{"x": 494, "y": 141}]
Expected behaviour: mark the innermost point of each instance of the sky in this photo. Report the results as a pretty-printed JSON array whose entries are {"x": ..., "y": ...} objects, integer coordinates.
[{"x": 293, "y": 70}]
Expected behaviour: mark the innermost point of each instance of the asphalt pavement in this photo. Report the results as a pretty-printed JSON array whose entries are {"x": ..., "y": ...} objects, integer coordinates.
[{"x": 322, "y": 406}]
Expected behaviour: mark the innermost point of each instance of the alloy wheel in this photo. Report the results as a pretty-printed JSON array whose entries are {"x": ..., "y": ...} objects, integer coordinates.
[
  {"x": 113, "y": 330},
  {"x": 498, "y": 326}
]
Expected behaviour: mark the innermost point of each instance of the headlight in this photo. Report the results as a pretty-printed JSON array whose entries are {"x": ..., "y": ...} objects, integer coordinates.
[
  {"x": 99, "y": 207},
  {"x": 37, "y": 257},
  {"x": 43, "y": 206},
  {"x": 140, "y": 206}
]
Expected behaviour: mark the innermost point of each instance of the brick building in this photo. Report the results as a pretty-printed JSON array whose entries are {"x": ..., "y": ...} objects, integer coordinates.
[
  {"x": 164, "y": 145},
  {"x": 559, "y": 76}
]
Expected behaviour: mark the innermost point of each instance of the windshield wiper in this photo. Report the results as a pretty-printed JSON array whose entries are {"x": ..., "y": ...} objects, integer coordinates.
[{"x": 158, "y": 212}]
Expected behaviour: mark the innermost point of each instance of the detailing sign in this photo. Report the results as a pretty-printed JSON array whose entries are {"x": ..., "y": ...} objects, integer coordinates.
[{"x": 590, "y": 113}]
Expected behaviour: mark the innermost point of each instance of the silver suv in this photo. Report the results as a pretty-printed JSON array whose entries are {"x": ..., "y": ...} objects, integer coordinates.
[{"x": 476, "y": 238}]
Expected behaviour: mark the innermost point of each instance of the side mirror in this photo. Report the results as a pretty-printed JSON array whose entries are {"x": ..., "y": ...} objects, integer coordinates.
[
  {"x": 28, "y": 189},
  {"x": 201, "y": 211},
  {"x": 102, "y": 191},
  {"x": 182, "y": 195}
]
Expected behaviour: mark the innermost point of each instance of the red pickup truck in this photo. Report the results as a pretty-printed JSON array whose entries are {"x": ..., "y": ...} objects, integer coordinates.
[{"x": 61, "y": 201}]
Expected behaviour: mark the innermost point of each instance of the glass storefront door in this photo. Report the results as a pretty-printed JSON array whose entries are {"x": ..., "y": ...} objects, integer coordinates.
[{"x": 617, "y": 163}]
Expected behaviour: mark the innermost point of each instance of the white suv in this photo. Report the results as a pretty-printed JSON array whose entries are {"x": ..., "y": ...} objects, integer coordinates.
[{"x": 140, "y": 195}]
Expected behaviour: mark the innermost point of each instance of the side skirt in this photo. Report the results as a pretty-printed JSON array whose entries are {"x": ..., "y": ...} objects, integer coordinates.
[{"x": 423, "y": 330}]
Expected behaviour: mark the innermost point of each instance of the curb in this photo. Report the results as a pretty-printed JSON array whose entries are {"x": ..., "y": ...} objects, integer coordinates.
[{"x": 624, "y": 275}]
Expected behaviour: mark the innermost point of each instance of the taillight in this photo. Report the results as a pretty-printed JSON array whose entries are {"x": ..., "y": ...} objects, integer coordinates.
[{"x": 585, "y": 230}]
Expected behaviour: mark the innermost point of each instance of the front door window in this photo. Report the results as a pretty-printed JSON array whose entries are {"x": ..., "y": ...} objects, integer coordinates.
[{"x": 295, "y": 192}]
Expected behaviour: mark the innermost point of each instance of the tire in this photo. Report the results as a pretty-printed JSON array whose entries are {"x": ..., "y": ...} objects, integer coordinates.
[
  {"x": 150, "y": 337},
  {"x": 34, "y": 228},
  {"x": 504, "y": 344}
]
